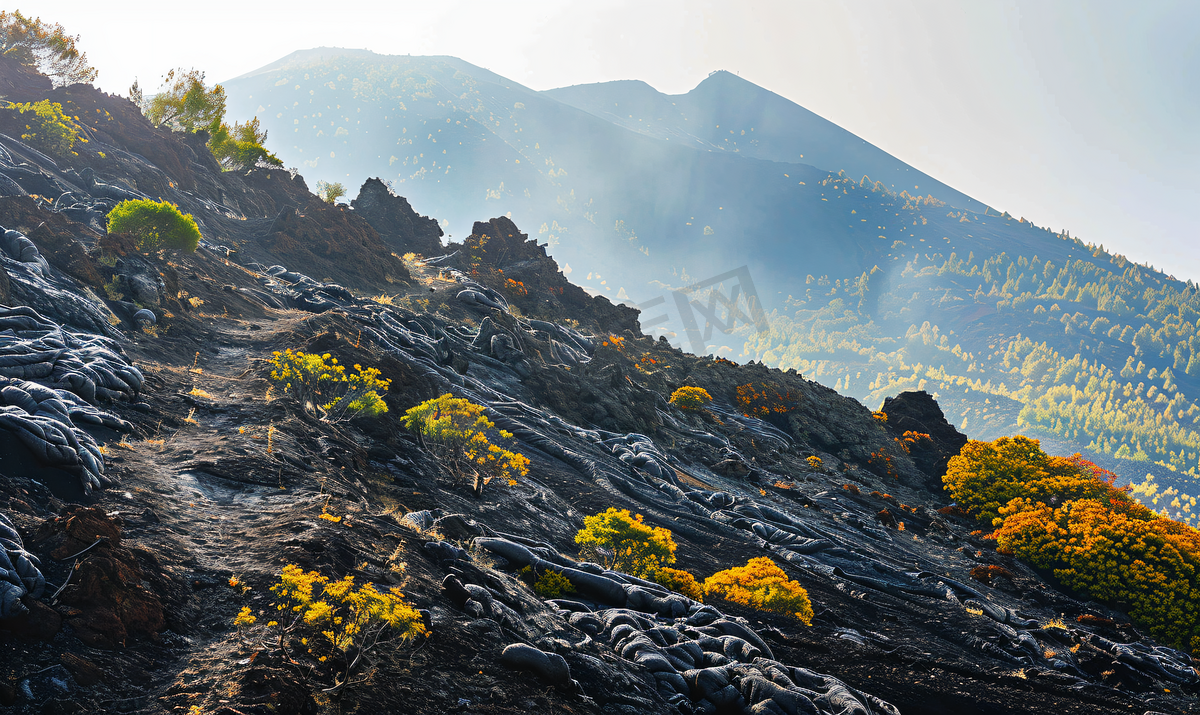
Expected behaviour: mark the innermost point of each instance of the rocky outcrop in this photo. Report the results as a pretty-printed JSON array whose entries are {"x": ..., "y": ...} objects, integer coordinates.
[
  {"x": 333, "y": 244},
  {"x": 19, "y": 83},
  {"x": 402, "y": 228},
  {"x": 919, "y": 412},
  {"x": 502, "y": 257},
  {"x": 111, "y": 593}
]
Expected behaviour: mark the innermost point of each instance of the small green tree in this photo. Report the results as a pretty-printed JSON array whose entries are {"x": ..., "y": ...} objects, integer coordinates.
[
  {"x": 46, "y": 47},
  {"x": 186, "y": 104},
  {"x": 240, "y": 146},
  {"x": 330, "y": 192},
  {"x": 155, "y": 224}
]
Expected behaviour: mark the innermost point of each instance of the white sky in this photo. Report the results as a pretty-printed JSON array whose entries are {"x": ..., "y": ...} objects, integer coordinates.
[{"x": 1076, "y": 115}]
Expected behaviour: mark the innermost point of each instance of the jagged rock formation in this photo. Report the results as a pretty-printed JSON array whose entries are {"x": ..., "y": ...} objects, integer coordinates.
[
  {"x": 918, "y": 412},
  {"x": 347, "y": 249},
  {"x": 400, "y": 227}
]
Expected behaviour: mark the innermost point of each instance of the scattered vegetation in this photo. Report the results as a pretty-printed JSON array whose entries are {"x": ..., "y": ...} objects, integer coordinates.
[
  {"x": 765, "y": 401},
  {"x": 985, "y": 574},
  {"x": 186, "y": 104},
  {"x": 44, "y": 46},
  {"x": 762, "y": 585},
  {"x": 690, "y": 398},
  {"x": 46, "y": 127},
  {"x": 323, "y": 387},
  {"x": 458, "y": 432},
  {"x": 1088, "y": 347},
  {"x": 330, "y": 192},
  {"x": 1065, "y": 515},
  {"x": 911, "y": 439},
  {"x": 155, "y": 225}
]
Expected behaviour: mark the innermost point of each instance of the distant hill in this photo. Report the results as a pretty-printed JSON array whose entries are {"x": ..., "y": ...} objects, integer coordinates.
[
  {"x": 636, "y": 211},
  {"x": 729, "y": 114},
  {"x": 861, "y": 272}
]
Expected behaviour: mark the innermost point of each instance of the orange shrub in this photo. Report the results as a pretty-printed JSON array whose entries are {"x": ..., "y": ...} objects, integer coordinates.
[
  {"x": 911, "y": 439},
  {"x": 765, "y": 400},
  {"x": 1065, "y": 515},
  {"x": 1116, "y": 551},
  {"x": 763, "y": 585}
]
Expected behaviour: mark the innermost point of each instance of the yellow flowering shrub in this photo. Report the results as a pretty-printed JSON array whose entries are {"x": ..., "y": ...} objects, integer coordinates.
[
  {"x": 690, "y": 398},
  {"x": 762, "y": 585},
  {"x": 815, "y": 462},
  {"x": 323, "y": 387},
  {"x": 552, "y": 584},
  {"x": 984, "y": 476},
  {"x": 679, "y": 581},
  {"x": 1065, "y": 515},
  {"x": 244, "y": 618},
  {"x": 457, "y": 432},
  {"x": 620, "y": 541},
  {"x": 48, "y": 128},
  {"x": 350, "y": 618}
]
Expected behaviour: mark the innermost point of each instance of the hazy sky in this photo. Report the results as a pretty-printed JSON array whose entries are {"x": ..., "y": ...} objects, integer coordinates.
[{"x": 1076, "y": 115}]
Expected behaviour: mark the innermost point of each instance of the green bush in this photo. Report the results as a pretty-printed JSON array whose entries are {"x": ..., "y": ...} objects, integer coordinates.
[
  {"x": 240, "y": 146},
  {"x": 46, "y": 127},
  {"x": 552, "y": 584},
  {"x": 155, "y": 224}
]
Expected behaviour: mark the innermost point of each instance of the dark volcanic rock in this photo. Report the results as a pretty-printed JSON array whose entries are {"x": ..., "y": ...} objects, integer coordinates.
[
  {"x": 333, "y": 243},
  {"x": 113, "y": 595},
  {"x": 919, "y": 412},
  {"x": 499, "y": 255},
  {"x": 19, "y": 83},
  {"x": 402, "y": 228}
]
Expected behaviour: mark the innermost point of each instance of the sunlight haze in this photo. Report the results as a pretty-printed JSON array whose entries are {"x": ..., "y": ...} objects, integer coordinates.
[{"x": 1078, "y": 116}]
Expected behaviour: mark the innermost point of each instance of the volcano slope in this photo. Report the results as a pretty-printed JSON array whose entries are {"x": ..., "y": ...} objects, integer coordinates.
[{"x": 157, "y": 483}]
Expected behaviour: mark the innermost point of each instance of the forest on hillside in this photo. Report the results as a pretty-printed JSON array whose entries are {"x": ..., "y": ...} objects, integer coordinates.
[{"x": 1096, "y": 352}]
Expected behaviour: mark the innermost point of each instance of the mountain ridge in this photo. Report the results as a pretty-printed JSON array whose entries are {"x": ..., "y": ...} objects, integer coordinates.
[{"x": 828, "y": 146}]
